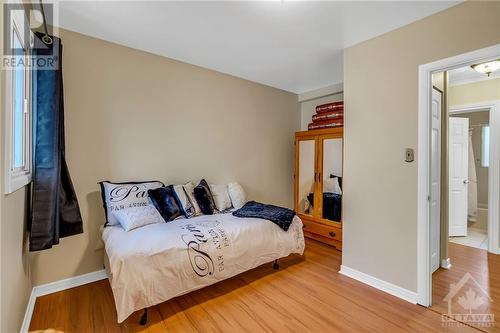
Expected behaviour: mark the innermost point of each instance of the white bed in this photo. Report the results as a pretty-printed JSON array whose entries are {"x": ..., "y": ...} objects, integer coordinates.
[{"x": 155, "y": 263}]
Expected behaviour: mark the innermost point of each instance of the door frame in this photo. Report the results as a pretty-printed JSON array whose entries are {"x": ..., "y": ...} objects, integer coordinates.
[
  {"x": 425, "y": 71},
  {"x": 493, "y": 175}
]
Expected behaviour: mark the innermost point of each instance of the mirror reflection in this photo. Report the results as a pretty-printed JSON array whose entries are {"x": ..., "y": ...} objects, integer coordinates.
[
  {"x": 332, "y": 179},
  {"x": 306, "y": 177}
]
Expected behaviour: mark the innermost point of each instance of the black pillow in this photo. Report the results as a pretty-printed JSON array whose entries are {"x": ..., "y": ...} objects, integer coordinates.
[
  {"x": 166, "y": 202},
  {"x": 204, "y": 198}
]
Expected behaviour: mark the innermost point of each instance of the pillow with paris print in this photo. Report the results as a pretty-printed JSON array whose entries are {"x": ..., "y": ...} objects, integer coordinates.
[{"x": 118, "y": 196}]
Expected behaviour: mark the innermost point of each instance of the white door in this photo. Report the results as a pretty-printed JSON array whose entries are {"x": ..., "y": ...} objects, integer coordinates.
[
  {"x": 458, "y": 175},
  {"x": 435, "y": 197}
]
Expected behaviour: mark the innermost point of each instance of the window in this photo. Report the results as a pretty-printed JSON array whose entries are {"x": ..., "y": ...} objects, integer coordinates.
[
  {"x": 19, "y": 105},
  {"x": 18, "y": 115},
  {"x": 485, "y": 146}
]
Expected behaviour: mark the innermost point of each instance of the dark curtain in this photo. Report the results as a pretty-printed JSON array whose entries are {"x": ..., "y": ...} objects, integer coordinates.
[{"x": 55, "y": 210}]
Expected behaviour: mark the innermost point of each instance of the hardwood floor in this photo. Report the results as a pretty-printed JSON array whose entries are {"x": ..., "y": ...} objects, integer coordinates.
[
  {"x": 306, "y": 295},
  {"x": 484, "y": 268}
]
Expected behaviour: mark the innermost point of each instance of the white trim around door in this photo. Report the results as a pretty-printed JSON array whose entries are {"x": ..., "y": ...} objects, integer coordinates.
[
  {"x": 494, "y": 168},
  {"x": 424, "y": 278}
]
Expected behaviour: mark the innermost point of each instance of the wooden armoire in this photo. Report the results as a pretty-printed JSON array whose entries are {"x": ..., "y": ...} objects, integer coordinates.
[{"x": 318, "y": 183}]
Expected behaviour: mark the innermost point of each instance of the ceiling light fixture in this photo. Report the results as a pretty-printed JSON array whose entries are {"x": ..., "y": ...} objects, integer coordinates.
[{"x": 487, "y": 67}]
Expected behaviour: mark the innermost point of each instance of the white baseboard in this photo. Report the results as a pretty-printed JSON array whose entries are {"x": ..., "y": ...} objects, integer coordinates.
[
  {"x": 56, "y": 286},
  {"x": 377, "y": 283},
  {"x": 29, "y": 313},
  {"x": 72, "y": 282},
  {"x": 446, "y": 263}
]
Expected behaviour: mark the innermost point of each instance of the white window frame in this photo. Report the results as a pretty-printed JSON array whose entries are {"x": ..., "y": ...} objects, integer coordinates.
[{"x": 20, "y": 177}]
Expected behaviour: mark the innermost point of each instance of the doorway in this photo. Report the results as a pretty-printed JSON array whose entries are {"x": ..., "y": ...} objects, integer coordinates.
[
  {"x": 428, "y": 199},
  {"x": 463, "y": 130},
  {"x": 468, "y": 218}
]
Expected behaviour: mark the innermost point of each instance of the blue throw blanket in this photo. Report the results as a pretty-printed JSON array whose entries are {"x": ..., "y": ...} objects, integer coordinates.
[{"x": 281, "y": 216}]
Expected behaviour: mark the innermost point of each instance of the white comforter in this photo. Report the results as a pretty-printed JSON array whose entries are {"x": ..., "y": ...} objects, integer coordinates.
[{"x": 152, "y": 264}]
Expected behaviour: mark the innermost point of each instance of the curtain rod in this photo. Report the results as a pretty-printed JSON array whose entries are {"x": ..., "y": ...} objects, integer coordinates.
[{"x": 46, "y": 38}]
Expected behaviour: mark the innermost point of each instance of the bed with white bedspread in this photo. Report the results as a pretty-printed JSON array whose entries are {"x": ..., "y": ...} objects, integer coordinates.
[{"x": 157, "y": 262}]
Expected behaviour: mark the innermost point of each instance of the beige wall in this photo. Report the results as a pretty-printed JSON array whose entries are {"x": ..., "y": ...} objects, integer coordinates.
[
  {"x": 131, "y": 115},
  {"x": 14, "y": 274},
  {"x": 16, "y": 280},
  {"x": 308, "y": 108},
  {"x": 476, "y": 92},
  {"x": 380, "y": 93},
  {"x": 476, "y": 119}
]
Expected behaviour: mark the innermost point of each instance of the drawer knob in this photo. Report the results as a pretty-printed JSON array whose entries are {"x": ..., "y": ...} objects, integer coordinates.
[{"x": 332, "y": 234}]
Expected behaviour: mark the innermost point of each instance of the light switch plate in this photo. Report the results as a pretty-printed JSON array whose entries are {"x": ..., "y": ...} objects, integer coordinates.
[{"x": 409, "y": 155}]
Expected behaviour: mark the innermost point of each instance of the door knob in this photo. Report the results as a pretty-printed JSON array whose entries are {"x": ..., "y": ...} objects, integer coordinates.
[{"x": 466, "y": 181}]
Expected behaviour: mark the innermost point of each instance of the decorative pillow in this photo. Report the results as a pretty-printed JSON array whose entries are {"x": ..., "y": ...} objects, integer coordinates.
[
  {"x": 118, "y": 196},
  {"x": 338, "y": 185},
  {"x": 189, "y": 189},
  {"x": 237, "y": 195},
  {"x": 166, "y": 201},
  {"x": 186, "y": 205},
  {"x": 340, "y": 181},
  {"x": 221, "y": 196},
  {"x": 204, "y": 198},
  {"x": 332, "y": 185},
  {"x": 136, "y": 217}
]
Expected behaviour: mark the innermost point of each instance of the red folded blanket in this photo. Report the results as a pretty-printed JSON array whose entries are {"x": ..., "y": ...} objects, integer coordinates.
[
  {"x": 326, "y": 124},
  {"x": 328, "y": 116},
  {"x": 335, "y": 106}
]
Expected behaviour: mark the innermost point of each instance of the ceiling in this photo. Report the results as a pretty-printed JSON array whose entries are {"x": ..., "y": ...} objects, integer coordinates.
[
  {"x": 464, "y": 75},
  {"x": 295, "y": 46}
]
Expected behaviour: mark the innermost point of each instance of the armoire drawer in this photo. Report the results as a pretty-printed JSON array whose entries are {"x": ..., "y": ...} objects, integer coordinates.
[{"x": 324, "y": 230}]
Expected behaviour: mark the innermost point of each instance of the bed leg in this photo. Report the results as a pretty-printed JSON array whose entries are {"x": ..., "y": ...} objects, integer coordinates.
[
  {"x": 144, "y": 318},
  {"x": 276, "y": 264}
]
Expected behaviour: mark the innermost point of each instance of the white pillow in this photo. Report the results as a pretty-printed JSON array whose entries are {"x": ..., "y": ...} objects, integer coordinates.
[
  {"x": 332, "y": 185},
  {"x": 136, "y": 217},
  {"x": 221, "y": 196},
  {"x": 187, "y": 206},
  {"x": 189, "y": 189},
  {"x": 118, "y": 196},
  {"x": 237, "y": 195}
]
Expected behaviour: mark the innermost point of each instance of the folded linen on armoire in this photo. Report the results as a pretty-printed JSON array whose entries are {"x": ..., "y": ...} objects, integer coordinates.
[
  {"x": 328, "y": 115},
  {"x": 339, "y": 122},
  {"x": 334, "y": 106}
]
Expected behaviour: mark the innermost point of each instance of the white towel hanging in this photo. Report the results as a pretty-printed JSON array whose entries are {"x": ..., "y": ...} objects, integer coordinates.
[{"x": 472, "y": 186}]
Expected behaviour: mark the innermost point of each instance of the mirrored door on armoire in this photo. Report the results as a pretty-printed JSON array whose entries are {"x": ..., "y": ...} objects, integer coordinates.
[
  {"x": 331, "y": 175},
  {"x": 306, "y": 176}
]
